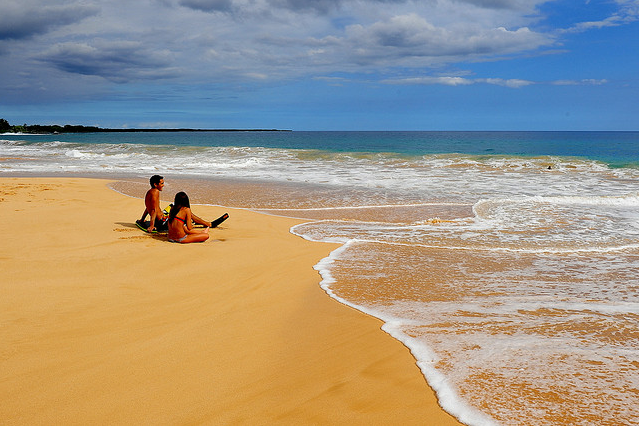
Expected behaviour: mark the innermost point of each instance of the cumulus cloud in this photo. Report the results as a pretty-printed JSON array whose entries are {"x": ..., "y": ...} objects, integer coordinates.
[
  {"x": 411, "y": 38},
  {"x": 326, "y": 7},
  {"x": 20, "y": 20},
  {"x": 321, "y": 6},
  {"x": 280, "y": 38},
  {"x": 120, "y": 61},
  {"x": 502, "y": 4},
  {"x": 208, "y": 5},
  {"x": 225, "y": 41}
]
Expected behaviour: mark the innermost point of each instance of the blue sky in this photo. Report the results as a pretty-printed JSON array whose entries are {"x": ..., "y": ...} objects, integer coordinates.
[{"x": 322, "y": 64}]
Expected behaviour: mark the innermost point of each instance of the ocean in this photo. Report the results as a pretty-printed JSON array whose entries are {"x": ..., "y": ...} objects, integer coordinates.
[{"x": 507, "y": 262}]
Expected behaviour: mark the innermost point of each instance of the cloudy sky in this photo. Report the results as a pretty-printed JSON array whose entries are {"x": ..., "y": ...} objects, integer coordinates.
[{"x": 322, "y": 64}]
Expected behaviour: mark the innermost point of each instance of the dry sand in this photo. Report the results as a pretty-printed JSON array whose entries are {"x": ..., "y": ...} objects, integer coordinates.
[{"x": 103, "y": 324}]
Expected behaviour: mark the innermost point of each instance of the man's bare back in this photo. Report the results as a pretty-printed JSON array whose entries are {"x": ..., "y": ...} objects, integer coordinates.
[{"x": 152, "y": 203}]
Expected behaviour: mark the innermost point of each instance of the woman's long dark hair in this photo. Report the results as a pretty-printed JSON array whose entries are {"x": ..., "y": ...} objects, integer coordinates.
[{"x": 181, "y": 200}]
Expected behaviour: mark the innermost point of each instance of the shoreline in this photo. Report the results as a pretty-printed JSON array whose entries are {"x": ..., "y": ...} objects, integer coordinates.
[{"x": 103, "y": 322}]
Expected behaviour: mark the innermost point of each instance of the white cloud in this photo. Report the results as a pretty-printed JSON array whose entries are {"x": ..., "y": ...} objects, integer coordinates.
[
  {"x": 410, "y": 40},
  {"x": 584, "y": 82},
  {"x": 256, "y": 75},
  {"x": 19, "y": 20},
  {"x": 511, "y": 83},
  {"x": 209, "y": 5},
  {"x": 225, "y": 41},
  {"x": 459, "y": 81},
  {"x": 118, "y": 61},
  {"x": 627, "y": 12},
  {"x": 447, "y": 81}
]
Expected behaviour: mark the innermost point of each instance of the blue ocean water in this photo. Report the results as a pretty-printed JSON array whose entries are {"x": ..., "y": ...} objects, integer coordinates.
[
  {"x": 507, "y": 262},
  {"x": 616, "y": 148}
]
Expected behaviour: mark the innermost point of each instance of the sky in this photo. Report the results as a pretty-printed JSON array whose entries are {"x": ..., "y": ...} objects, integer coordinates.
[{"x": 321, "y": 64}]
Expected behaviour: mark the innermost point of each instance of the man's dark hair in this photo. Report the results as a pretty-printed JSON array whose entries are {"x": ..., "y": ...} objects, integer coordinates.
[{"x": 155, "y": 179}]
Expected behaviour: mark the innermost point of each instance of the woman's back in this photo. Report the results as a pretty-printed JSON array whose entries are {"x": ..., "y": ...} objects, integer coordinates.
[
  {"x": 180, "y": 222},
  {"x": 176, "y": 225}
]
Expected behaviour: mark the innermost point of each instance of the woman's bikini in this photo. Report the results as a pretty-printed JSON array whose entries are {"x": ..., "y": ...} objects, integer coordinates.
[{"x": 179, "y": 240}]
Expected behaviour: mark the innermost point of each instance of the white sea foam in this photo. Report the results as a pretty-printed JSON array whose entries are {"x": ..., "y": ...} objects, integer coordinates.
[
  {"x": 569, "y": 300},
  {"x": 380, "y": 206},
  {"x": 457, "y": 178},
  {"x": 484, "y": 339},
  {"x": 447, "y": 397}
]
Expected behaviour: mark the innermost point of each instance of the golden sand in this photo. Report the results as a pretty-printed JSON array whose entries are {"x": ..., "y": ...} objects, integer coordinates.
[{"x": 101, "y": 323}]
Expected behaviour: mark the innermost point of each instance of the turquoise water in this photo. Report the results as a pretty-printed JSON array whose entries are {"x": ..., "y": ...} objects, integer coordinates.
[
  {"x": 507, "y": 262},
  {"x": 618, "y": 148}
]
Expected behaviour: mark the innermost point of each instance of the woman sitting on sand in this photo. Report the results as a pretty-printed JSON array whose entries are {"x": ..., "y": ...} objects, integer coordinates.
[{"x": 180, "y": 224}]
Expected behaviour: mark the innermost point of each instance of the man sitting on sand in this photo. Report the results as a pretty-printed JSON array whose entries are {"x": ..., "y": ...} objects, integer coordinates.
[{"x": 159, "y": 221}]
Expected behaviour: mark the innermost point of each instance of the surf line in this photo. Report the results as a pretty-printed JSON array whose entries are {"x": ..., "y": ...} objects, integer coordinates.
[
  {"x": 384, "y": 206},
  {"x": 539, "y": 250},
  {"x": 424, "y": 356}
]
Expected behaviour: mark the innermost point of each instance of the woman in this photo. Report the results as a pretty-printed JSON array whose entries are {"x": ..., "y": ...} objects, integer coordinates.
[{"x": 180, "y": 222}]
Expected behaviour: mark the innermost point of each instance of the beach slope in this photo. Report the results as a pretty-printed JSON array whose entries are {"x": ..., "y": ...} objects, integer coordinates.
[{"x": 101, "y": 323}]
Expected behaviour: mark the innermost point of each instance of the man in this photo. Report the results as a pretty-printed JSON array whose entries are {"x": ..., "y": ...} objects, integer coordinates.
[{"x": 152, "y": 208}]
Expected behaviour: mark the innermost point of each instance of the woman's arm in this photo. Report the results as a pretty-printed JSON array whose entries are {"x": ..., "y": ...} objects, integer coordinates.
[
  {"x": 188, "y": 225},
  {"x": 187, "y": 220}
]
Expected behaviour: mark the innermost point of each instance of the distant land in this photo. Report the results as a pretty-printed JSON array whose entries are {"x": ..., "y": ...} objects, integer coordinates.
[{"x": 5, "y": 127}]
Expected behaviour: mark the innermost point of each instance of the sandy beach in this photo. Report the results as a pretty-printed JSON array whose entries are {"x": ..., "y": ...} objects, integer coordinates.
[{"x": 101, "y": 323}]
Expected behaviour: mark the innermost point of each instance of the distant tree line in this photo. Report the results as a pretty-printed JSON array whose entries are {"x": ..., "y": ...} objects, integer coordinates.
[{"x": 5, "y": 127}]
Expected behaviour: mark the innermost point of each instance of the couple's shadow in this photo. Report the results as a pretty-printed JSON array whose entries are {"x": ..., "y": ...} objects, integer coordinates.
[{"x": 162, "y": 236}]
